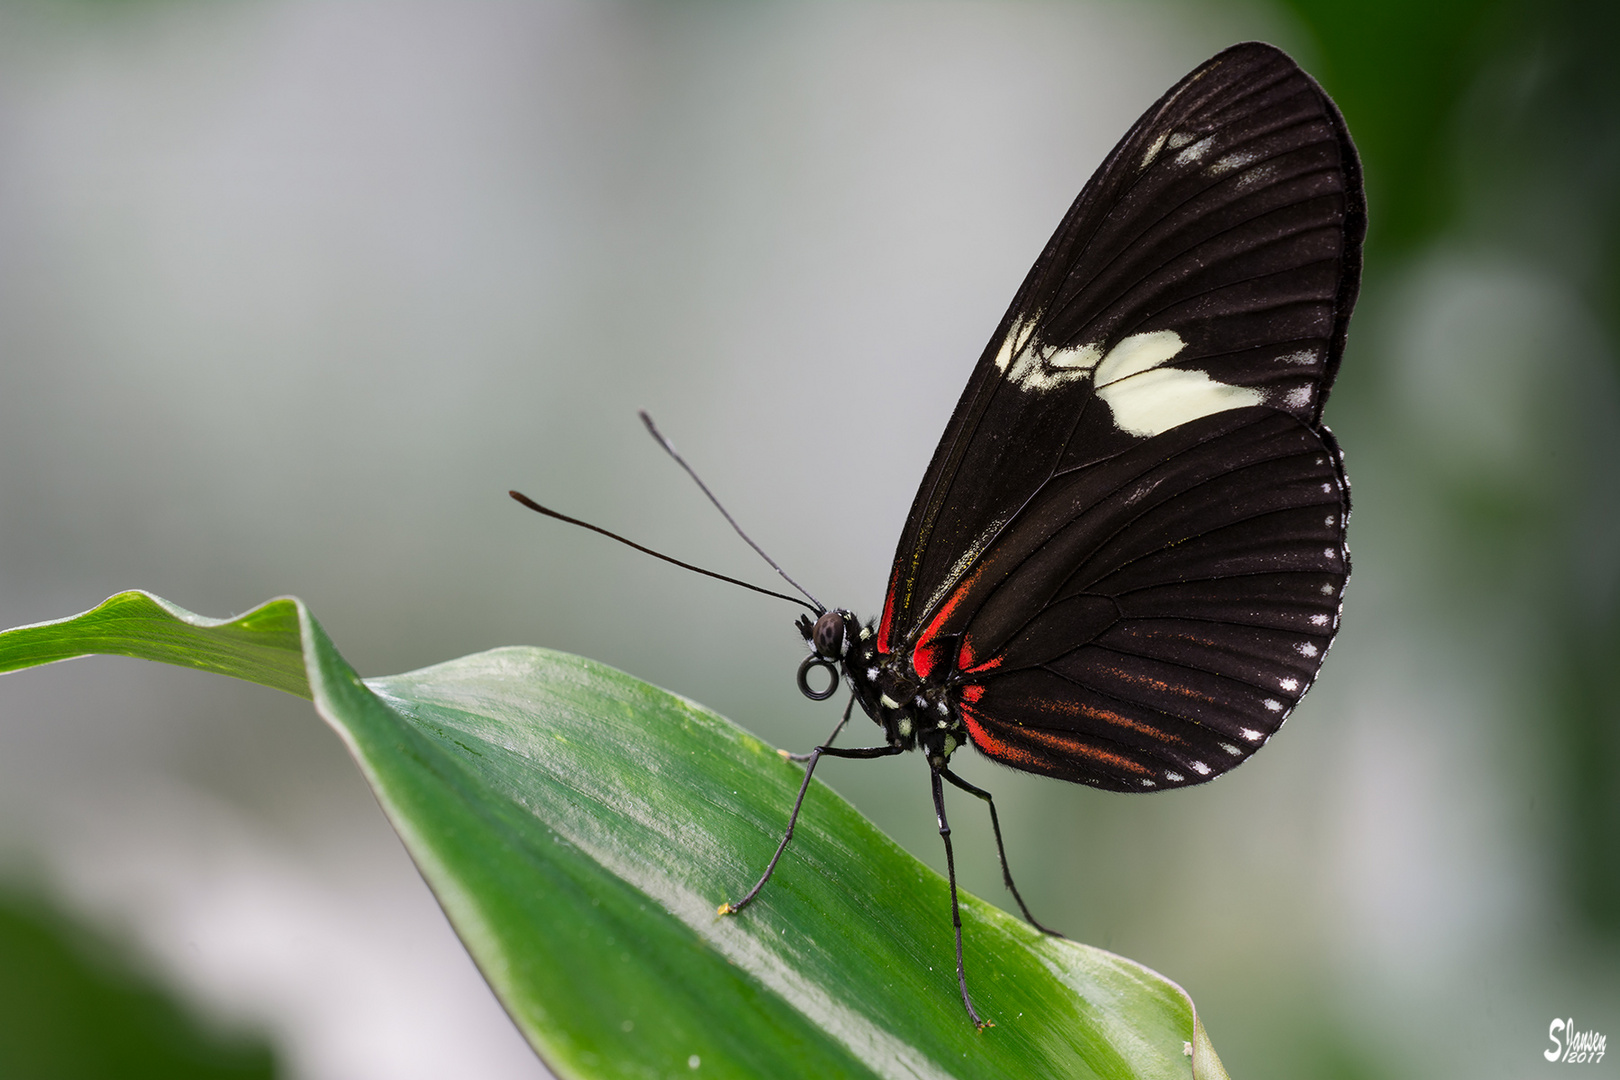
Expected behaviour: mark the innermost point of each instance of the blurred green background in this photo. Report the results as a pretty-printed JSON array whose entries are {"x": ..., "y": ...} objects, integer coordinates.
[{"x": 292, "y": 292}]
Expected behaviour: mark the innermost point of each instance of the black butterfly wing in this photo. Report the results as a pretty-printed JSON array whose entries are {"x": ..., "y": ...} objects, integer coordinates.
[
  {"x": 1203, "y": 279},
  {"x": 1151, "y": 619}
]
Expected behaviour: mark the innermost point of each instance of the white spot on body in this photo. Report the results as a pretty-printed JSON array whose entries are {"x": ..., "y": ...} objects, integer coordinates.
[
  {"x": 1200, "y": 768},
  {"x": 1251, "y": 734},
  {"x": 942, "y": 707},
  {"x": 888, "y": 702},
  {"x": 871, "y": 674},
  {"x": 1306, "y": 649},
  {"x": 905, "y": 725},
  {"x": 866, "y": 632}
]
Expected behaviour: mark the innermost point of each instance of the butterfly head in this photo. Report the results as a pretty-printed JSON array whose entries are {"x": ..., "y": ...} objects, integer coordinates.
[{"x": 829, "y": 639}]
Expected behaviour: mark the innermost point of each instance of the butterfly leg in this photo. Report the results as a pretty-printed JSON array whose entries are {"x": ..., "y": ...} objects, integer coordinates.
[
  {"x": 956, "y": 909},
  {"x": 1001, "y": 851},
  {"x": 793, "y": 818},
  {"x": 806, "y": 757}
]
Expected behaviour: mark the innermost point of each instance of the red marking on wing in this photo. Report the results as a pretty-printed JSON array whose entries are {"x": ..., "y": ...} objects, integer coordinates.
[
  {"x": 964, "y": 660},
  {"x": 972, "y": 692},
  {"x": 1109, "y": 716},
  {"x": 886, "y": 624},
  {"x": 928, "y": 655},
  {"x": 1062, "y": 746},
  {"x": 927, "y": 652}
]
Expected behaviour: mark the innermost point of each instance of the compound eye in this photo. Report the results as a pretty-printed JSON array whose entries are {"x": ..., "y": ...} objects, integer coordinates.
[{"x": 828, "y": 635}]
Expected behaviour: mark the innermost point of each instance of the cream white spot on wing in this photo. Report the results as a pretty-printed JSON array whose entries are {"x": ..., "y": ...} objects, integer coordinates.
[
  {"x": 1200, "y": 768},
  {"x": 1153, "y": 151},
  {"x": 1273, "y": 705},
  {"x": 1235, "y": 160},
  {"x": 1196, "y": 151},
  {"x": 1174, "y": 777},
  {"x": 1289, "y": 685},
  {"x": 1329, "y": 553},
  {"x": 1025, "y": 364},
  {"x": 1258, "y": 175},
  {"x": 1252, "y": 735},
  {"x": 1138, "y": 353},
  {"x": 1306, "y": 649},
  {"x": 1081, "y": 359},
  {"x": 1304, "y": 356},
  {"x": 1327, "y": 590},
  {"x": 1230, "y": 749},
  {"x": 1319, "y": 620},
  {"x": 1148, "y": 783},
  {"x": 1017, "y": 338},
  {"x": 1178, "y": 139},
  {"x": 1298, "y": 397},
  {"x": 888, "y": 702},
  {"x": 1152, "y": 402},
  {"x": 1148, "y": 399}
]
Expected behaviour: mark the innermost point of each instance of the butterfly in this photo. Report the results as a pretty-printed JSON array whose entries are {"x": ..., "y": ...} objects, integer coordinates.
[{"x": 1126, "y": 561}]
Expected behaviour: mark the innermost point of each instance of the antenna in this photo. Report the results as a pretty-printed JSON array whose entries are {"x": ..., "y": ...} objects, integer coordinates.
[
  {"x": 537, "y": 508},
  {"x": 670, "y": 450}
]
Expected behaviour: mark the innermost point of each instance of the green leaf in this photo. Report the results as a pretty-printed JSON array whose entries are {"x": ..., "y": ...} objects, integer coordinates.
[{"x": 580, "y": 829}]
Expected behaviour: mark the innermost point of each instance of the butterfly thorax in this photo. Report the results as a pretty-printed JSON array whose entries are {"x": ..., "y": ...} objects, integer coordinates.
[{"x": 912, "y": 711}]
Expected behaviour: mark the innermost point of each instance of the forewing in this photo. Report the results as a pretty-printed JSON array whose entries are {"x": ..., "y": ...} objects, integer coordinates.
[{"x": 1209, "y": 265}]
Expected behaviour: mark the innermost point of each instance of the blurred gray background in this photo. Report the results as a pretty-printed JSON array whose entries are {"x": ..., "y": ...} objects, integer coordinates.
[{"x": 292, "y": 292}]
